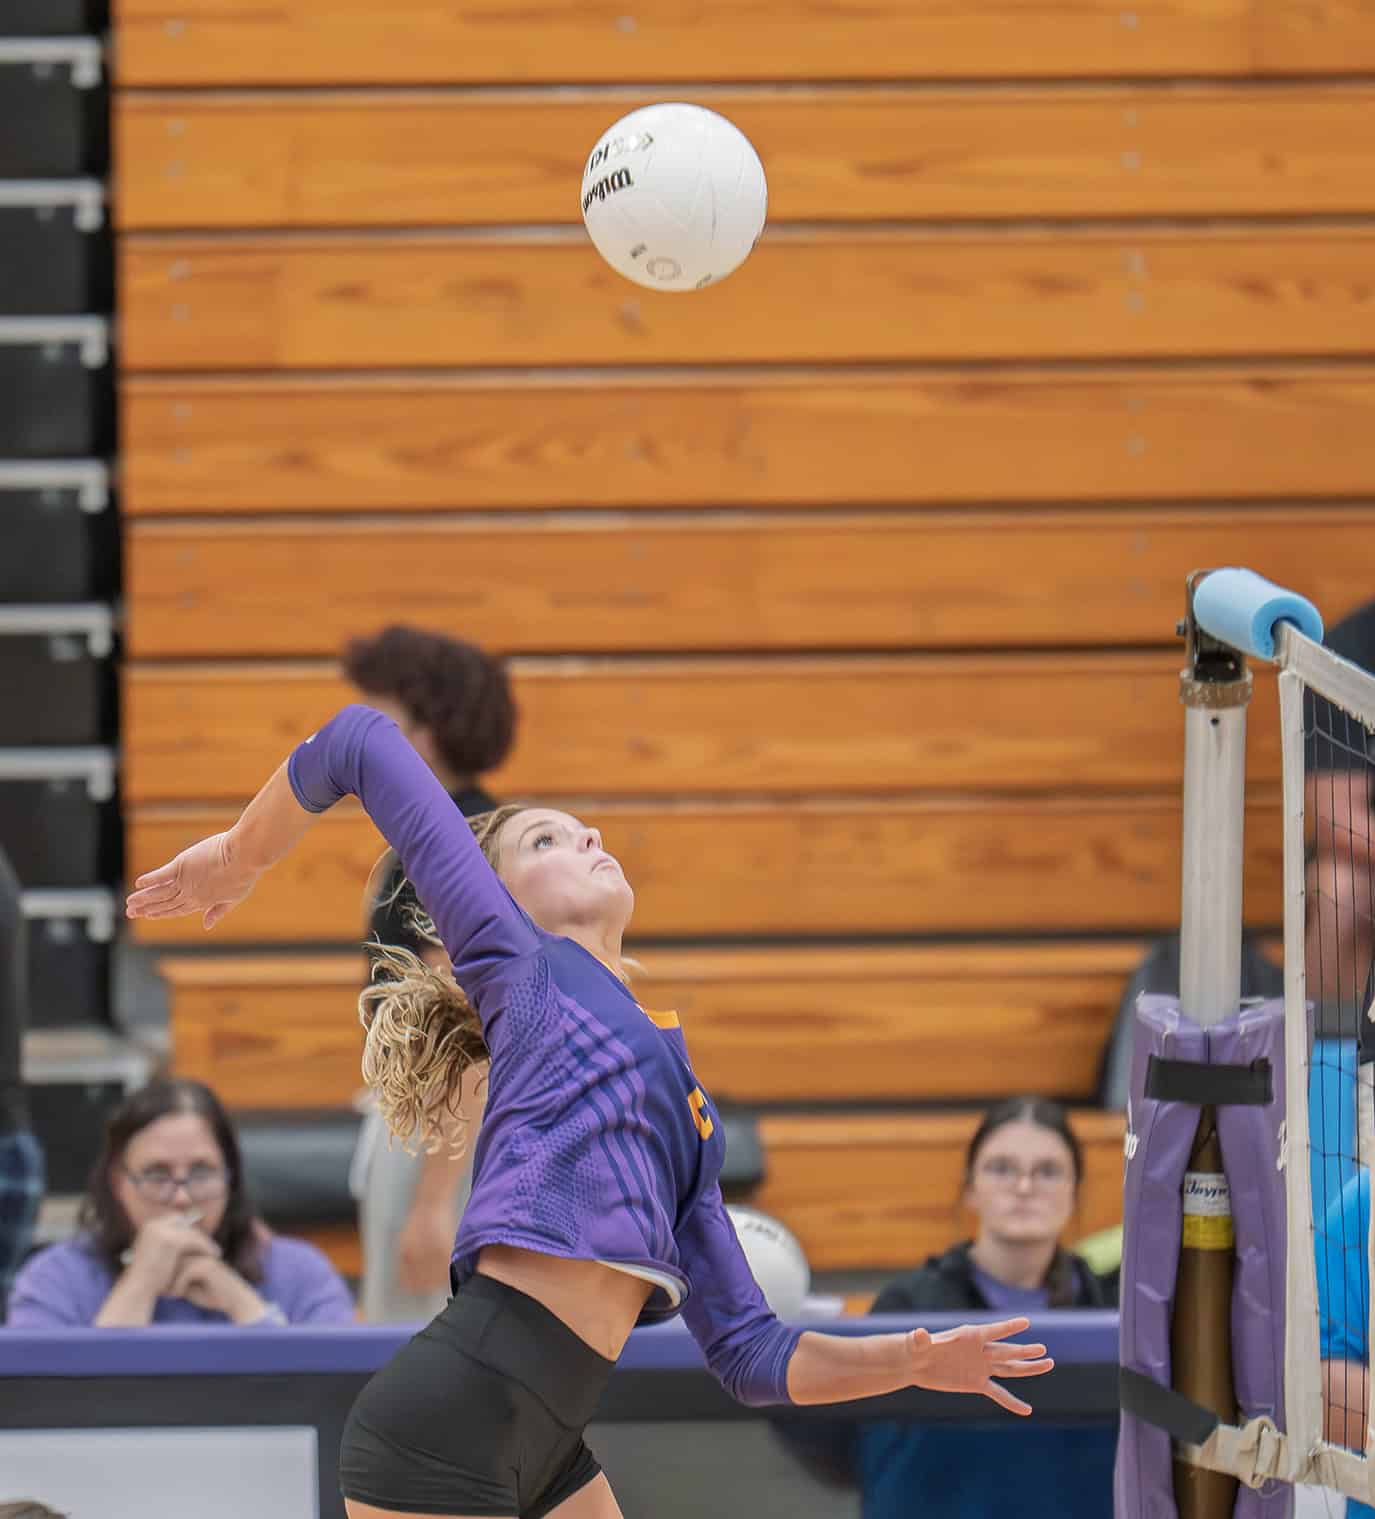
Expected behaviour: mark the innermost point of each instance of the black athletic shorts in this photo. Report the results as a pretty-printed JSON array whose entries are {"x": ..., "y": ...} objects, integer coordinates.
[{"x": 482, "y": 1412}]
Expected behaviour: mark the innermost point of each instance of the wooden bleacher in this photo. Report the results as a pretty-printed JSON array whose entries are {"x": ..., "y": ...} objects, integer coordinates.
[
  {"x": 753, "y": 438},
  {"x": 766, "y": 1026},
  {"x": 851, "y": 582},
  {"x": 403, "y": 159},
  {"x": 426, "y": 300},
  {"x": 648, "y": 728},
  {"x": 774, "y": 584},
  {"x": 319, "y": 42},
  {"x": 901, "y": 866}
]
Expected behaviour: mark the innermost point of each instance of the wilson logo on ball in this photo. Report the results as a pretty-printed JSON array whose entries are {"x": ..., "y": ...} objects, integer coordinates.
[
  {"x": 608, "y": 185},
  {"x": 692, "y": 210},
  {"x": 613, "y": 147}
]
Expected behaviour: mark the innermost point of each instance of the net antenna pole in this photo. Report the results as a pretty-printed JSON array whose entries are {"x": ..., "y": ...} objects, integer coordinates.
[
  {"x": 1204, "y": 1075},
  {"x": 1215, "y": 689}
]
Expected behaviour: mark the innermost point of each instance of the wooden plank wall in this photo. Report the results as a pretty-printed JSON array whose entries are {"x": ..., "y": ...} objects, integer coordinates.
[{"x": 852, "y": 579}]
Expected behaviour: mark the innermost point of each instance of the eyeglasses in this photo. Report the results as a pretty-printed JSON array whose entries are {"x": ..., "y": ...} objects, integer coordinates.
[
  {"x": 160, "y": 1185},
  {"x": 1045, "y": 1174}
]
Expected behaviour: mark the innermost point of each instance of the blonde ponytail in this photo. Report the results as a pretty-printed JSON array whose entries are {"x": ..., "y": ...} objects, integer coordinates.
[{"x": 423, "y": 1035}]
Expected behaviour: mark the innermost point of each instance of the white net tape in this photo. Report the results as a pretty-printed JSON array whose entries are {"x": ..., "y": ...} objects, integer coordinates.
[{"x": 1327, "y": 715}]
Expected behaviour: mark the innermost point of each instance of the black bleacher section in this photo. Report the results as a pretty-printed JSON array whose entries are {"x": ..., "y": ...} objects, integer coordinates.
[
  {"x": 54, "y": 107},
  {"x": 59, "y": 572},
  {"x": 53, "y": 18}
]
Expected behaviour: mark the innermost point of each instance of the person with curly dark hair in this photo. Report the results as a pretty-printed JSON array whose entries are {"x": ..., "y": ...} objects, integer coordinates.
[
  {"x": 168, "y": 1234},
  {"x": 453, "y": 702}
]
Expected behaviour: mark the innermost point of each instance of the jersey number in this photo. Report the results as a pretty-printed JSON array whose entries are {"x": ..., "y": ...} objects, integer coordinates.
[{"x": 698, "y": 1103}]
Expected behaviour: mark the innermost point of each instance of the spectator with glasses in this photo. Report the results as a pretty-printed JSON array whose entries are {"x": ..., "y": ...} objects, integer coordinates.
[
  {"x": 1022, "y": 1173},
  {"x": 168, "y": 1234}
]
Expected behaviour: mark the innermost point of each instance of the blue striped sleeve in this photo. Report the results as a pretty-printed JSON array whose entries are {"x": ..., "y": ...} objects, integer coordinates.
[{"x": 745, "y": 1345}]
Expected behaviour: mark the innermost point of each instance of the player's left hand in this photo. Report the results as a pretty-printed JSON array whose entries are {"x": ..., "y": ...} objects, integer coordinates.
[
  {"x": 969, "y": 1358},
  {"x": 207, "y": 878}
]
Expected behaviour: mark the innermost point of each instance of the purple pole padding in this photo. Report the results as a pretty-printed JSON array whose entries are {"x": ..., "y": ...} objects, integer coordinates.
[
  {"x": 1161, "y": 1134},
  {"x": 1251, "y": 1155}
]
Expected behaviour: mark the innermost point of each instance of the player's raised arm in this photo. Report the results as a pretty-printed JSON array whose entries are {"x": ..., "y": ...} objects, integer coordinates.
[{"x": 363, "y": 753}]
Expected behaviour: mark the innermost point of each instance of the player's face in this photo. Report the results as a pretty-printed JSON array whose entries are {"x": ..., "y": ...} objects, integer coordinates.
[
  {"x": 556, "y": 868},
  {"x": 1022, "y": 1185},
  {"x": 173, "y": 1165}
]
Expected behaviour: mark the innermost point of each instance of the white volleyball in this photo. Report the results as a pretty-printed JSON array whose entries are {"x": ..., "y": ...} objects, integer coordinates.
[
  {"x": 776, "y": 1259},
  {"x": 674, "y": 197}
]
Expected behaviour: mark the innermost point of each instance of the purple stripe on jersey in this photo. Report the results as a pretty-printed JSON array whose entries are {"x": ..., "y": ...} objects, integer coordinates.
[
  {"x": 595, "y": 1049},
  {"x": 599, "y": 1045}
]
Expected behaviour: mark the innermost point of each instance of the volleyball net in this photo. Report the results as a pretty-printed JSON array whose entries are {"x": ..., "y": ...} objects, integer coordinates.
[{"x": 1246, "y": 1316}]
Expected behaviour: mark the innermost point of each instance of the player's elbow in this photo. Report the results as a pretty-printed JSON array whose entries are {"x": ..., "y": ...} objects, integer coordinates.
[
  {"x": 756, "y": 1373},
  {"x": 753, "y": 1392}
]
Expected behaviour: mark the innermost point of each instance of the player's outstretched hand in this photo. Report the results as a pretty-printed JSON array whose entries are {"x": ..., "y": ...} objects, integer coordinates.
[
  {"x": 203, "y": 879},
  {"x": 969, "y": 1358}
]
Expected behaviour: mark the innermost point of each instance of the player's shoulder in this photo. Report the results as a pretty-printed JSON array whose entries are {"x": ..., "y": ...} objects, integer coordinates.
[{"x": 584, "y": 980}]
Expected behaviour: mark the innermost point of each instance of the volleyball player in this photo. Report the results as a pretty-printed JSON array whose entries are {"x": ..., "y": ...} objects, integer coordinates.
[{"x": 595, "y": 1203}]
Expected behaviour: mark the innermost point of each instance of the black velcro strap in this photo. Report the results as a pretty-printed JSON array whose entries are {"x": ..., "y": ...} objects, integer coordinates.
[
  {"x": 1180, "y": 1417},
  {"x": 1216, "y": 1086}
]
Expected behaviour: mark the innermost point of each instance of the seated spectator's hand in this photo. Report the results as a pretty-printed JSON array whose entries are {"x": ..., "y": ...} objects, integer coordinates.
[
  {"x": 207, "y": 878},
  {"x": 968, "y": 1358},
  {"x": 209, "y": 1283},
  {"x": 160, "y": 1248},
  {"x": 424, "y": 1247}
]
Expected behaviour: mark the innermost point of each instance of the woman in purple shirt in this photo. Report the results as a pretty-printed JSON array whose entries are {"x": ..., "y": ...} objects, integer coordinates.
[
  {"x": 169, "y": 1236},
  {"x": 595, "y": 1203}
]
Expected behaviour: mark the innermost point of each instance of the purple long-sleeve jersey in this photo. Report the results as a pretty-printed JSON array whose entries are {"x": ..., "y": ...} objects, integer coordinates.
[{"x": 598, "y": 1142}]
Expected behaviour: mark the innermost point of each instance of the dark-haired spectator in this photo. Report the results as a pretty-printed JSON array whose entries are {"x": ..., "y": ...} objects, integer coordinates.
[
  {"x": 1022, "y": 1173},
  {"x": 168, "y": 1234},
  {"x": 21, "y": 1157},
  {"x": 453, "y": 702}
]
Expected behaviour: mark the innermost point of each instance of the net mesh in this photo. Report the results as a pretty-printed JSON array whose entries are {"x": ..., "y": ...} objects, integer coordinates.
[{"x": 1339, "y": 981}]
